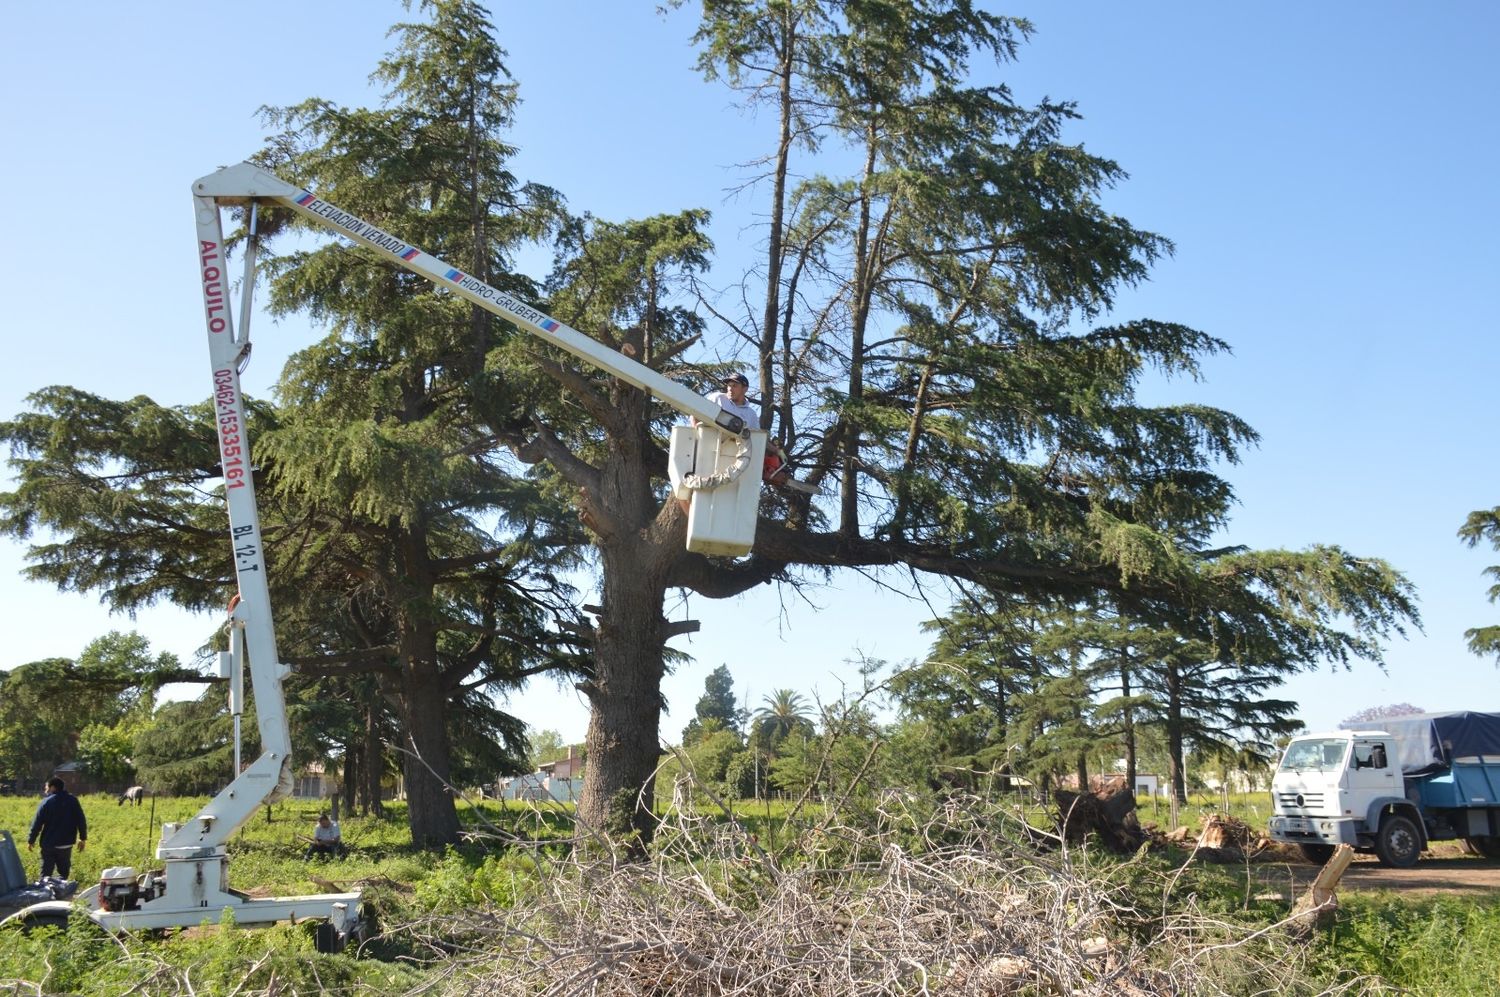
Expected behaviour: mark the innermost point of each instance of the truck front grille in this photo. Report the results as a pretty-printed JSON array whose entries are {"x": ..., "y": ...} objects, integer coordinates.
[{"x": 1308, "y": 801}]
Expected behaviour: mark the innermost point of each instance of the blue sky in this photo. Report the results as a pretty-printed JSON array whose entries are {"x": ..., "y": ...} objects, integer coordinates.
[{"x": 1325, "y": 170}]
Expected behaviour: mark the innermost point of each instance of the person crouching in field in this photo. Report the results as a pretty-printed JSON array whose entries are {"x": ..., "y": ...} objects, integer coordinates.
[
  {"x": 59, "y": 822},
  {"x": 326, "y": 840}
]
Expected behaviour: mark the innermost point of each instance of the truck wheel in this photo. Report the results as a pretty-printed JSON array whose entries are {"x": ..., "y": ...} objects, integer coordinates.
[
  {"x": 1317, "y": 854},
  {"x": 1398, "y": 843},
  {"x": 1486, "y": 845}
]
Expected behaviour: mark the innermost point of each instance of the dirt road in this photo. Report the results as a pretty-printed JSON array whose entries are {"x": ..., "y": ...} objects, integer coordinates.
[{"x": 1445, "y": 869}]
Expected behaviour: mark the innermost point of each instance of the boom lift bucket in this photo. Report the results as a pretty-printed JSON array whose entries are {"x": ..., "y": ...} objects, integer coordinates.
[{"x": 721, "y": 517}]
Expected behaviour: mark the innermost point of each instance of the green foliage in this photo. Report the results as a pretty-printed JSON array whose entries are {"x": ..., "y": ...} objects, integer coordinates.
[
  {"x": 79, "y": 959},
  {"x": 712, "y": 753},
  {"x": 716, "y": 709},
  {"x": 189, "y": 747},
  {"x": 105, "y": 752},
  {"x": 1483, "y": 526},
  {"x": 915, "y": 755},
  {"x": 229, "y": 960},
  {"x": 743, "y": 776},
  {"x": 1012, "y": 685},
  {"x": 34, "y": 731},
  {"x": 466, "y": 880},
  {"x": 124, "y": 489},
  {"x": 795, "y": 767},
  {"x": 487, "y": 742},
  {"x": 546, "y": 746},
  {"x": 783, "y": 714},
  {"x": 87, "y": 710},
  {"x": 1429, "y": 946}
]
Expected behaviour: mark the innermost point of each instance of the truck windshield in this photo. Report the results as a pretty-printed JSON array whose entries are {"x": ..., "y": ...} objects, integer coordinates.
[{"x": 1316, "y": 754}]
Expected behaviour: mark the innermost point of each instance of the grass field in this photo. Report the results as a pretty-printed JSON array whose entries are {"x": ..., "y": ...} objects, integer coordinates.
[
  {"x": 269, "y": 844},
  {"x": 266, "y": 853},
  {"x": 496, "y": 914}
]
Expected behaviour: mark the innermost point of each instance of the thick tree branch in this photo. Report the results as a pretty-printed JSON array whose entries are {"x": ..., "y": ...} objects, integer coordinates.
[
  {"x": 585, "y": 393},
  {"x": 365, "y": 661},
  {"x": 546, "y": 446}
]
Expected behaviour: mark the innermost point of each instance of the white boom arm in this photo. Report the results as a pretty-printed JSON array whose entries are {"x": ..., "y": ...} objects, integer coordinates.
[
  {"x": 709, "y": 464},
  {"x": 714, "y": 465},
  {"x": 246, "y": 183}
]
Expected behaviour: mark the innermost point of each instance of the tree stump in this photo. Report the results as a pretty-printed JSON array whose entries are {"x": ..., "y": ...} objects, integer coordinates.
[
  {"x": 1109, "y": 813},
  {"x": 1224, "y": 831},
  {"x": 1316, "y": 907}
]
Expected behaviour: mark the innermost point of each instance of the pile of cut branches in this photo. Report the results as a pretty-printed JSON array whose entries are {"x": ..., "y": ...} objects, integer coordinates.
[{"x": 910, "y": 897}]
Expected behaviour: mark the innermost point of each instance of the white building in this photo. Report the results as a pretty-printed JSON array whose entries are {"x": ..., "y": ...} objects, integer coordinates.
[{"x": 561, "y": 780}]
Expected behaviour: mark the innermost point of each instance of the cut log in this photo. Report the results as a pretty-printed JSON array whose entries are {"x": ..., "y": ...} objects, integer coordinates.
[
  {"x": 1316, "y": 907},
  {"x": 1224, "y": 831}
]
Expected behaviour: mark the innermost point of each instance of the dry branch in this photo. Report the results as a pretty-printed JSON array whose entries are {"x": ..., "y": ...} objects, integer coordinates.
[{"x": 909, "y": 897}]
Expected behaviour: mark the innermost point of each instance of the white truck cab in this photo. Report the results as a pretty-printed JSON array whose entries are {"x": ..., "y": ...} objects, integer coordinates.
[{"x": 1345, "y": 787}]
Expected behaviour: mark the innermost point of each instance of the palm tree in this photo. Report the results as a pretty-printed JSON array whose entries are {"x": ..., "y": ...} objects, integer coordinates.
[{"x": 783, "y": 715}]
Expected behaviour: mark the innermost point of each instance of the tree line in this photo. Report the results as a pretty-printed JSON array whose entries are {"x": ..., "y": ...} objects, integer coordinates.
[{"x": 930, "y": 330}]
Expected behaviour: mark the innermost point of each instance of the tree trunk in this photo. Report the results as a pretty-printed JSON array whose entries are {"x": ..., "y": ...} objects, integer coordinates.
[
  {"x": 349, "y": 783},
  {"x": 374, "y": 756},
  {"x": 1000, "y": 707},
  {"x": 1174, "y": 734},
  {"x": 642, "y": 538},
  {"x": 625, "y": 694},
  {"x": 1129, "y": 730},
  {"x": 431, "y": 814},
  {"x": 774, "y": 248}
]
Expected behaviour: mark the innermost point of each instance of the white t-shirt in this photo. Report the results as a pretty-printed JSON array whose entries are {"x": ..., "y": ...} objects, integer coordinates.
[
  {"x": 329, "y": 833},
  {"x": 750, "y": 415}
]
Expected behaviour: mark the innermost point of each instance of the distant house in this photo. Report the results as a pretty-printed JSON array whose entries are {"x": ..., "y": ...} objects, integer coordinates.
[
  {"x": 77, "y": 779},
  {"x": 532, "y": 786},
  {"x": 560, "y": 780},
  {"x": 314, "y": 783},
  {"x": 570, "y": 767}
]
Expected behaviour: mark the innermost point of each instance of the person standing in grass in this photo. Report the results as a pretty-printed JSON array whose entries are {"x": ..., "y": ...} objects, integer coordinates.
[{"x": 59, "y": 822}]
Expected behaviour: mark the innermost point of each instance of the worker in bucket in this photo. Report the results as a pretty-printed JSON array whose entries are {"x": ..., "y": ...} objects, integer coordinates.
[
  {"x": 732, "y": 399},
  {"x": 59, "y": 823}
]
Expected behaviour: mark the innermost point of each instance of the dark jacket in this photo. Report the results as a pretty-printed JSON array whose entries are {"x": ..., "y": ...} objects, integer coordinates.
[{"x": 59, "y": 821}]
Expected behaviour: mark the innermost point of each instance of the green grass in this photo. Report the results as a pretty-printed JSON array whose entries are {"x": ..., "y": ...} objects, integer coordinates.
[
  {"x": 1433, "y": 946},
  {"x": 1252, "y": 808},
  {"x": 397, "y": 880},
  {"x": 265, "y": 854}
]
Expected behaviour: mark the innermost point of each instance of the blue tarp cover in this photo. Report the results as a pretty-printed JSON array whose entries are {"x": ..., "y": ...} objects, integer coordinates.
[{"x": 1426, "y": 742}]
